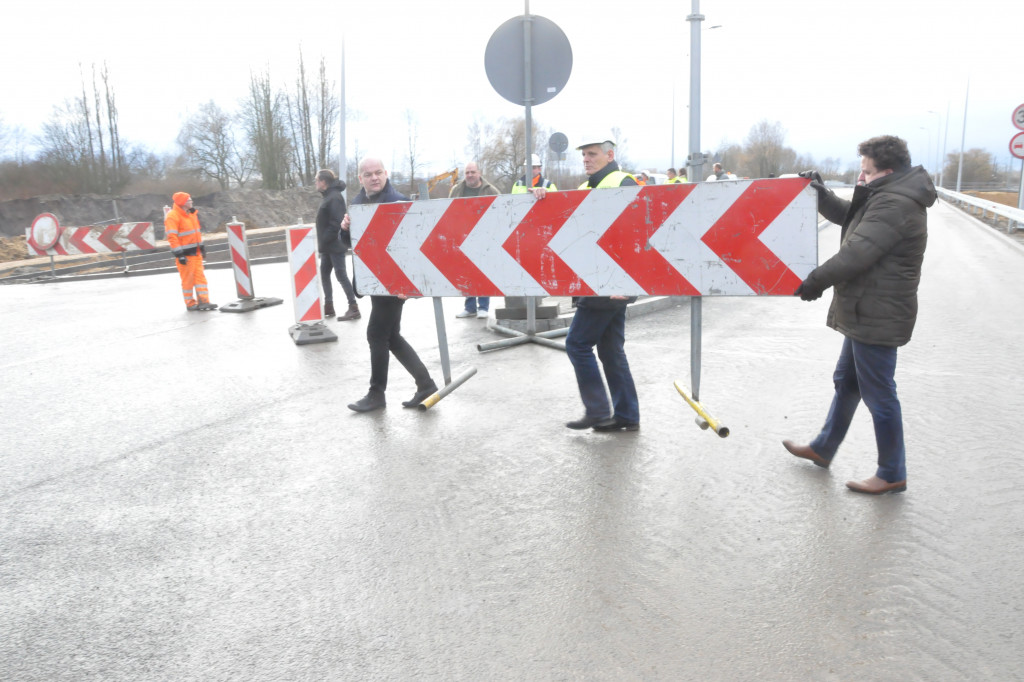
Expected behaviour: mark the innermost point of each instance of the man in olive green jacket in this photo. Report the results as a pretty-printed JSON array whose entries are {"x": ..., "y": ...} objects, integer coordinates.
[{"x": 875, "y": 276}]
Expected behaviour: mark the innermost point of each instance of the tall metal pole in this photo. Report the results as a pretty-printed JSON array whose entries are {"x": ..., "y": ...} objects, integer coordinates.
[
  {"x": 342, "y": 165},
  {"x": 531, "y": 301},
  {"x": 963, "y": 136},
  {"x": 945, "y": 142},
  {"x": 695, "y": 172},
  {"x": 695, "y": 163}
]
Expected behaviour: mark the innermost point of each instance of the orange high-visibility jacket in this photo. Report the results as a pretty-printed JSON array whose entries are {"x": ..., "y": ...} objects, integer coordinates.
[{"x": 182, "y": 229}]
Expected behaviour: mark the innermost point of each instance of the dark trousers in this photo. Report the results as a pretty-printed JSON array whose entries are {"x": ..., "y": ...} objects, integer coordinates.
[
  {"x": 330, "y": 260},
  {"x": 606, "y": 329},
  {"x": 383, "y": 335},
  {"x": 866, "y": 372}
]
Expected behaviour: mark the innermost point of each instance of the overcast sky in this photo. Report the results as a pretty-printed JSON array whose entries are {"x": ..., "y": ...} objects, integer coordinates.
[{"x": 832, "y": 73}]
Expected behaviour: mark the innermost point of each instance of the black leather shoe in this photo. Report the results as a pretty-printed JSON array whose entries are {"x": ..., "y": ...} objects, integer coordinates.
[
  {"x": 617, "y": 424},
  {"x": 419, "y": 397},
  {"x": 368, "y": 403},
  {"x": 806, "y": 452},
  {"x": 586, "y": 422}
]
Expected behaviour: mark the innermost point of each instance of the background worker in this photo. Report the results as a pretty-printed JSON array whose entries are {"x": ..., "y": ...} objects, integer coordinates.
[
  {"x": 333, "y": 242},
  {"x": 601, "y": 321},
  {"x": 181, "y": 226},
  {"x": 383, "y": 331},
  {"x": 521, "y": 186},
  {"x": 474, "y": 185},
  {"x": 875, "y": 276}
]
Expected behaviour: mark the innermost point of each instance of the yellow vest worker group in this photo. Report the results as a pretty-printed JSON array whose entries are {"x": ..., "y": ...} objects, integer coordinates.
[{"x": 186, "y": 241}]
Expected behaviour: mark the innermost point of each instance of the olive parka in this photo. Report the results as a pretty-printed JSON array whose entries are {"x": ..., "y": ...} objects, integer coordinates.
[{"x": 877, "y": 270}]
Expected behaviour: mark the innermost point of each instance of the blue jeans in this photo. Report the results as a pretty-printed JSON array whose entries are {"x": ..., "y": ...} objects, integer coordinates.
[
  {"x": 606, "y": 329},
  {"x": 866, "y": 371},
  {"x": 484, "y": 303}
]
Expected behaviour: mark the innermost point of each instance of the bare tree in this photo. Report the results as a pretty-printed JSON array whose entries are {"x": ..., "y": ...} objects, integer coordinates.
[
  {"x": 300, "y": 123},
  {"x": 264, "y": 115},
  {"x": 500, "y": 149},
  {"x": 978, "y": 171},
  {"x": 327, "y": 109},
  {"x": 766, "y": 150},
  {"x": 210, "y": 148},
  {"x": 412, "y": 157}
]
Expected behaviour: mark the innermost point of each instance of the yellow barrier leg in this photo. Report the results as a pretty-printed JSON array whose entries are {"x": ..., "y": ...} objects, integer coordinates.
[
  {"x": 704, "y": 420},
  {"x": 455, "y": 383}
]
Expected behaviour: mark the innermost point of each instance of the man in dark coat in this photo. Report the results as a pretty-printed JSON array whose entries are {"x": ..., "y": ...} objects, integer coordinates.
[
  {"x": 333, "y": 242},
  {"x": 383, "y": 331},
  {"x": 875, "y": 276},
  {"x": 600, "y": 321}
]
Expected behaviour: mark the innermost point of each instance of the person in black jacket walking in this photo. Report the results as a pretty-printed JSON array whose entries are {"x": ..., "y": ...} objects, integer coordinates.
[
  {"x": 333, "y": 242},
  {"x": 383, "y": 331},
  {"x": 875, "y": 276}
]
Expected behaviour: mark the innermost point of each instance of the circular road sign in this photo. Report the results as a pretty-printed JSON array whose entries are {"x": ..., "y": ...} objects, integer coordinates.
[
  {"x": 1018, "y": 117},
  {"x": 558, "y": 143},
  {"x": 45, "y": 231},
  {"x": 550, "y": 60},
  {"x": 1017, "y": 145}
]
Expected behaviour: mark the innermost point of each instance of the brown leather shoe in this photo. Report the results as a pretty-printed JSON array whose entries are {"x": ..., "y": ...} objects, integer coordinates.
[
  {"x": 806, "y": 452},
  {"x": 876, "y": 486}
]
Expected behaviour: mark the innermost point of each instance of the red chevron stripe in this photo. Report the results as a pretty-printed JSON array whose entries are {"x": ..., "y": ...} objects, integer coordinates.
[
  {"x": 528, "y": 244},
  {"x": 735, "y": 236},
  {"x": 137, "y": 236},
  {"x": 627, "y": 240},
  {"x": 305, "y": 274},
  {"x": 373, "y": 245},
  {"x": 106, "y": 237},
  {"x": 78, "y": 235},
  {"x": 442, "y": 247}
]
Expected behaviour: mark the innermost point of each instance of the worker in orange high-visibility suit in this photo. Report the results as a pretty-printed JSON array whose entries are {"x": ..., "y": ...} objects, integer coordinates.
[{"x": 182, "y": 227}]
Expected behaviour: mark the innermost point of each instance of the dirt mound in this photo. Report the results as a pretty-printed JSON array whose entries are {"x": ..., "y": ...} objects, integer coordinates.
[
  {"x": 13, "y": 248},
  {"x": 256, "y": 208},
  {"x": 1005, "y": 198}
]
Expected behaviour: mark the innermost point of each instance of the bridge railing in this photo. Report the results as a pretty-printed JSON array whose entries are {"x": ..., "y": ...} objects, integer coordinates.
[{"x": 1014, "y": 216}]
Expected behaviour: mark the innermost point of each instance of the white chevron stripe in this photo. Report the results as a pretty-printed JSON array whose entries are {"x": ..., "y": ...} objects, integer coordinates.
[
  {"x": 576, "y": 242},
  {"x": 484, "y": 246}
]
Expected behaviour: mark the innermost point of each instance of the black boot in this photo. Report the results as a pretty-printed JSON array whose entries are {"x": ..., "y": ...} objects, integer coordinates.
[
  {"x": 329, "y": 309},
  {"x": 351, "y": 314}
]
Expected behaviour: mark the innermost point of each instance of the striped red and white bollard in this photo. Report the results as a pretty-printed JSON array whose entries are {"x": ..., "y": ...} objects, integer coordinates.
[
  {"x": 238, "y": 250},
  {"x": 309, "y": 324}
]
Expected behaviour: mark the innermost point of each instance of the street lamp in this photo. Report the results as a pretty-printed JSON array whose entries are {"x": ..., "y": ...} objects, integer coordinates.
[{"x": 938, "y": 159}]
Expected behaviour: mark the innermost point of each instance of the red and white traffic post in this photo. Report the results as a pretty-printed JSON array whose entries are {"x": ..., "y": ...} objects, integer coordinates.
[
  {"x": 238, "y": 250},
  {"x": 309, "y": 324}
]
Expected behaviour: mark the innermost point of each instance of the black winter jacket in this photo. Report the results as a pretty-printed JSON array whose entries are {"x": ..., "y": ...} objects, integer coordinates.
[
  {"x": 329, "y": 235},
  {"x": 878, "y": 267}
]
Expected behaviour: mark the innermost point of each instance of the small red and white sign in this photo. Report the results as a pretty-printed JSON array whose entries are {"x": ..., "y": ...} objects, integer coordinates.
[
  {"x": 1018, "y": 117},
  {"x": 1017, "y": 145},
  {"x": 239, "y": 249},
  {"x": 47, "y": 238},
  {"x": 742, "y": 238},
  {"x": 305, "y": 276}
]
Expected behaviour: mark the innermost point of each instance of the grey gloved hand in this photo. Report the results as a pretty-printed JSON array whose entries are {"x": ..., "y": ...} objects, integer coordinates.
[
  {"x": 815, "y": 177},
  {"x": 183, "y": 259},
  {"x": 808, "y": 290}
]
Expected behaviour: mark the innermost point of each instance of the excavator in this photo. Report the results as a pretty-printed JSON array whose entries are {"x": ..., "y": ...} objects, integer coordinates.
[{"x": 452, "y": 175}]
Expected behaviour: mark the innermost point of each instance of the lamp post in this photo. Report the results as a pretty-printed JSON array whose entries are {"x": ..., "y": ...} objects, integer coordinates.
[{"x": 938, "y": 159}]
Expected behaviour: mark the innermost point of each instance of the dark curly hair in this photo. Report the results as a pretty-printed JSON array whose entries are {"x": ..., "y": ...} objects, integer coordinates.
[{"x": 887, "y": 151}]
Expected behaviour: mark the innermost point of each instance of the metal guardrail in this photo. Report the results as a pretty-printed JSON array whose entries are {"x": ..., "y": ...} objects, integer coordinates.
[{"x": 1014, "y": 216}]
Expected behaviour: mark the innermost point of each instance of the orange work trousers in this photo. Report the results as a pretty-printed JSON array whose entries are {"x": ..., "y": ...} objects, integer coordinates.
[{"x": 193, "y": 277}]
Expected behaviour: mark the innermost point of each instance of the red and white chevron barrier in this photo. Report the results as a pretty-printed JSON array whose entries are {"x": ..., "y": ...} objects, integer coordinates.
[
  {"x": 47, "y": 237},
  {"x": 754, "y": 237},
  {"x": 238, "y": 248},
  {"x": 302, "y": 260}
]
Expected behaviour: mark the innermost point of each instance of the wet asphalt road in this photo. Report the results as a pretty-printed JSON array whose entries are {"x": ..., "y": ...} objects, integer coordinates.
[{"x": 186, "y": 496}]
